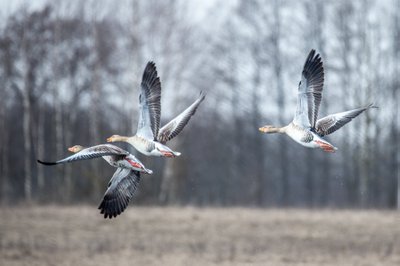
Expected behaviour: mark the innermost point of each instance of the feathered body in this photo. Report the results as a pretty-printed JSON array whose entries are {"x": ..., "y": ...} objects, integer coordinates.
[
  {"x": 123, "y": 183},
  {"x": 112, "y": 154},
  {"x": 149, "y": 139},
  {"x": 306, "y": 129}
]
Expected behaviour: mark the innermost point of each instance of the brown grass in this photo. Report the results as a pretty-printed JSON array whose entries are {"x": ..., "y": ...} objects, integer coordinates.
[{"x": 195, "y": 236}]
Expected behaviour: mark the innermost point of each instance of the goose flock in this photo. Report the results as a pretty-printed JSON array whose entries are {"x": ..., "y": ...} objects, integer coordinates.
[{"x": 150, "y": 140}]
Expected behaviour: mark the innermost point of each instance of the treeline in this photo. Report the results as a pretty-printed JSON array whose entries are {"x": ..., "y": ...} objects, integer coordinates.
[{"x": 70, "y": 74}]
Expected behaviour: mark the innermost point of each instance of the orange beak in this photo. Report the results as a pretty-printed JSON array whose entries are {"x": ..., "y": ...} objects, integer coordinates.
[
  {"x": 109, "y": 139},
  {"x": 262, "y": 129}
]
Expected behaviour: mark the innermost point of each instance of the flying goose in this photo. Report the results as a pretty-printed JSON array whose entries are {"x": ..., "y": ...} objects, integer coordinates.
[
  {"x": 305, "y": 128},
  {"x": 149, "y": 140},
  {"x": 114, "y": 155},
  {"x": 123, "y": 183}
]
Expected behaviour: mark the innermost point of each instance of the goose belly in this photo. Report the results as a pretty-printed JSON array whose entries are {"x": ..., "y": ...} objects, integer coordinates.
[
  {"x": 302, "y": 136},
  {"x": 143, "y": 149},
  {"x": 144, "y": 146}
]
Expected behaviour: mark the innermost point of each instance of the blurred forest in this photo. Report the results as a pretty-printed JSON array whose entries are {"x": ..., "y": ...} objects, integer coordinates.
[{"x": 70, "y": 74}]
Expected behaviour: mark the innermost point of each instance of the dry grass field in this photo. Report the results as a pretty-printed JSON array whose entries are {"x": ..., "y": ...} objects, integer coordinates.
[{"x": 196, "y": 236}]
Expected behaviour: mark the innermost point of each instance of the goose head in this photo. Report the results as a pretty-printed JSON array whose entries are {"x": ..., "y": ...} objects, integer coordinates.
[
  {"x": 76, "y": 148},
  {"x": 115, "y": 138}
]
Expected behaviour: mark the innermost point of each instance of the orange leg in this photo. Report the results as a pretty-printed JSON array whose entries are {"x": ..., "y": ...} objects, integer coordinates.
[
  {"x": 326, "y": 147},
  {"x": 135, "y": 164},
  {"x": 167, "y": 154}
]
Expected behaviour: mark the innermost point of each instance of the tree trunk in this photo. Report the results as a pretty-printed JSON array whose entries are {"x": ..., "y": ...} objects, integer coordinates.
[
  {"x": 395, "y": 91},
  {"x": 27, "y": 144},
  {"x": 95, "y": 101},
  {"x": 173, "y": 180},
  {"x": 310, "y": 189},
  {"x": 283, "y": 155},
  {"x": 71, "y": 118},
  {"x": 258, "y": 144},
  {"x": 40, "y": 148},
  {"x": 3, "y": 155},
  {"x": 365, "y": 77},
  {"x": 58, "y": 108},
  {"x": 257, "y": 139},
  {"x": 344, "y": 16},
  {"x": 137, "y": 70},
  {"x": 169, "y": 186}
]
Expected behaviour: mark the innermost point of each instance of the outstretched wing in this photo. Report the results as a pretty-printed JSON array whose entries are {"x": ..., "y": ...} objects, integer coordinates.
[
  {"x": 176, "y": 125},
  {"x": 91, "y": 153},
  {"x": 310, "y": 91},
  {"x": 121, "y": 189},
  {"x": 149, "y": 100},
  {"x": 331, "y": 123}
]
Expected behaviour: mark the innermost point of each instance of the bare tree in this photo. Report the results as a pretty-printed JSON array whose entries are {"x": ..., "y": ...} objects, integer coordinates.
[
  {"x": 344, "y": 15},
  {"x": 276, "y": 56},
  {"x": 27, "y": 32},
  {"x": 395, "y": 124},
  {"x": 6, "y": 68}
]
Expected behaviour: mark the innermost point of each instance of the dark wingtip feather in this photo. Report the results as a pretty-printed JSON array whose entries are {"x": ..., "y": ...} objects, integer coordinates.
[
  {"x": 46, "y": 163},
  {"x": 311, "y": 54},
  {"x": 151, "y": 64},
  {"x": 311, "y": 57},
  {"x": 372, "y": 105},
  {"x": 202, "y": 95},
  {"x": 116, "y": 200},
  {"x": 150, "y": 72},
  {"x": 314, "y": 68},
  {"x": 110, "y": 209},
  {"x": 150, "y": 76}
]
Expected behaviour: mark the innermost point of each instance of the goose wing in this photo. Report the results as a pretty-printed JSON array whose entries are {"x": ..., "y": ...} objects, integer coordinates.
[
  {"x": 176, "y": 125},
  {"x": 331, "y": 123},
  {"x": 91, "y": 153},
  {"x": 310, "y": 91},
  {"x": 149, "y": 103},
  {"x": 121, "y": 189}
]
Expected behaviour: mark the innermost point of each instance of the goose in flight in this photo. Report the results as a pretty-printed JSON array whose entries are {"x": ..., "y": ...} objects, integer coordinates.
[
  {"x": 114, "y": 155},
  {"x": 305, "y": 128},
  {"x": 123, "y": 183},
  {"x": 149, "y": 139}
]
